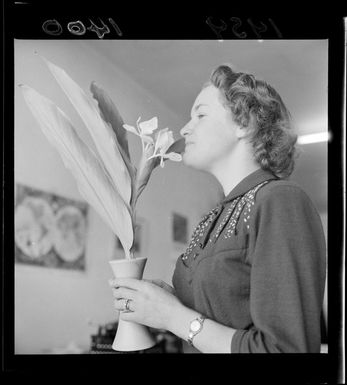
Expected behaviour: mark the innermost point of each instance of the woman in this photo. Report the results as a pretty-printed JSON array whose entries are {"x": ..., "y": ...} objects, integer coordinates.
[{"x": 252, "y": 278}]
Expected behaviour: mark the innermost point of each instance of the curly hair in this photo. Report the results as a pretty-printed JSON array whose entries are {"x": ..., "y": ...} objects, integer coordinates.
[{"x": 257, "y": 105}]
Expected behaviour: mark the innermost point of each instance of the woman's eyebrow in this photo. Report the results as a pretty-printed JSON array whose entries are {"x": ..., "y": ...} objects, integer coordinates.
[{"x": 197, "y": 107}]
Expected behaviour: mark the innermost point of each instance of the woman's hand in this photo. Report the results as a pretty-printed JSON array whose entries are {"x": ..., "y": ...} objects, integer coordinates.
[
  {"x": 151, "y": 304},
  {"x": 161, "y": 284}
]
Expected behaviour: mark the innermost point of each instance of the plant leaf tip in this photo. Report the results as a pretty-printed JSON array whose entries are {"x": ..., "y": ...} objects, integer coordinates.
[{"x": 93, "y": 84}]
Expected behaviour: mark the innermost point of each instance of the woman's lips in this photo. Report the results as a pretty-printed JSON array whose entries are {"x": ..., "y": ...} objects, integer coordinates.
[{"x": 186, "y": 148}]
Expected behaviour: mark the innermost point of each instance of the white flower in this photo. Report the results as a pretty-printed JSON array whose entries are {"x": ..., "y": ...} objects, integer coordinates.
[
  {"x": 164, "y": 139},
  {"x": 143, "y": 130}
]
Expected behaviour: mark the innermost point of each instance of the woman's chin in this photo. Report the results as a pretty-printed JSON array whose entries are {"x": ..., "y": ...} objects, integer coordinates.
[
  {"x": 186, "y": 159},
  {"x": 189, "y": 161}
]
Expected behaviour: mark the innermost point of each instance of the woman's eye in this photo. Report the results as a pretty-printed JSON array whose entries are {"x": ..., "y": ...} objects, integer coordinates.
[{"x": 200, "y": 116}]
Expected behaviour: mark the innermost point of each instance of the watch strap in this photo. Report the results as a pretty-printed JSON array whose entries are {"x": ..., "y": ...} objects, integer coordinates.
[{"x": 193, "y": 333}]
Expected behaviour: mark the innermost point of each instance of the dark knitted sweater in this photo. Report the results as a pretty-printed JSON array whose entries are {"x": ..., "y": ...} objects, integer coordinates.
[{"x": 257, "y": 263}]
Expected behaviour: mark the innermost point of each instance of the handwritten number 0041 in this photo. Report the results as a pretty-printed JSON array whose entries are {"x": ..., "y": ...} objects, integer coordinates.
[{"x": 237, "y": 23}]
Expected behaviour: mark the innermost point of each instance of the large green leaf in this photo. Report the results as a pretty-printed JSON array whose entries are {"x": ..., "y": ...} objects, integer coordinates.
[
  {"x": 111, "y": 115},
  {"x": 92, "y": 179},
  {"x": 145, "y": 170},
  {"x": 177, "y": 146},
  {"x": 104, "y": 138}
]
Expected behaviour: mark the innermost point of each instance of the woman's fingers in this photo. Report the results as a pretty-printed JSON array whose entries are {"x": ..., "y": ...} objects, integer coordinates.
[
  {"x": 124, "y": 293},
  {"x": 130, "y": 283},
  {"x": 119, "y": 304},
  {"x": 128, "y": 316},
  {"x": 124, "y": 305}
]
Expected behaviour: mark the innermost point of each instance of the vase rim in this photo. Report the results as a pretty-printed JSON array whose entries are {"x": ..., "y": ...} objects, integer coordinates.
[{"x": 127, "y": 260}]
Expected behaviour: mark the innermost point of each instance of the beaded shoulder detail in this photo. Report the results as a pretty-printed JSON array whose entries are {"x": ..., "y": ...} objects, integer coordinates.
[
  {"x": 200, "y": 230},
  {"x": 242, "y": 204}
]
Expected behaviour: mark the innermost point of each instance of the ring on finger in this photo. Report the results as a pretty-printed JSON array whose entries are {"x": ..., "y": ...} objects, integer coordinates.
[{"x": 126, "y": 305}]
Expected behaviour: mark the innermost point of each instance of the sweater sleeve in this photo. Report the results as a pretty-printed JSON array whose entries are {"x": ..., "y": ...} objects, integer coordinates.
[{"x": 288, "y": 265}]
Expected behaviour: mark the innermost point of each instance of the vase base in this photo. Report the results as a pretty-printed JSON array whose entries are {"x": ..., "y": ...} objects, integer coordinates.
[{"x": 131, "y": 336}]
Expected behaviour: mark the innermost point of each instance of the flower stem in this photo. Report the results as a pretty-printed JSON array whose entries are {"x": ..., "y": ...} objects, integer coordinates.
[{"x": 153, "y": 156}]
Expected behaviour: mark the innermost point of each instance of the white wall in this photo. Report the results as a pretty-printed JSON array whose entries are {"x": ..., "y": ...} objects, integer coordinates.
[{"x": 52, "y": 306}]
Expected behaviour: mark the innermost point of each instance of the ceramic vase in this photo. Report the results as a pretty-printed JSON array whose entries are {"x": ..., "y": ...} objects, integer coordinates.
[{"x": 130, "y": 336}]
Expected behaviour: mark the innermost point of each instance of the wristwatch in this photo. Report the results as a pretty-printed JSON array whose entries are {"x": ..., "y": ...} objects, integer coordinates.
[{"x": 195, "y": 328}]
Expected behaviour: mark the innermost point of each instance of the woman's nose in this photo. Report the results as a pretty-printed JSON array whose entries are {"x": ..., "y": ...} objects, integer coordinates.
[{"x": 185, "y": 130}]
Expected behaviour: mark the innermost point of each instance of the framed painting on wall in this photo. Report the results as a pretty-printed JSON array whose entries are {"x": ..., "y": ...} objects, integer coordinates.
[
  {"x": 179, "y": 229},
  {"x": 50, "y": 230}
]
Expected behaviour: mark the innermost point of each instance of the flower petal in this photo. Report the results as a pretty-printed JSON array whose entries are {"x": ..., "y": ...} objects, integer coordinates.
[
  {"x": 164, "y": 140},
  {"x": 149, "y": 149},
  {"x": 147, "y": 139},
  {"x": 148, "y": 126},
  {"x": 131, "y": 129},
  {"x": 173, "y": 156}
]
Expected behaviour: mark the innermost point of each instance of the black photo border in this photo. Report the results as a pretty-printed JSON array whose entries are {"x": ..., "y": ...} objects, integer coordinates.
[{"x": 24, "y": 20}]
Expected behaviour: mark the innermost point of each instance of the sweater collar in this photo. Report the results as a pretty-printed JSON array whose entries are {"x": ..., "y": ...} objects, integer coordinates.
[{"x": 248, "y": 183}]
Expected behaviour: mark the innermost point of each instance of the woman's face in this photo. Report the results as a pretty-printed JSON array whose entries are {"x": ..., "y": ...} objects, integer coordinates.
[{"x": 210, "y": 135}]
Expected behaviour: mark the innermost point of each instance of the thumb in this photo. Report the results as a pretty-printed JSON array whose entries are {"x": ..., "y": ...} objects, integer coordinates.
[{"x": 157, "y": 282}]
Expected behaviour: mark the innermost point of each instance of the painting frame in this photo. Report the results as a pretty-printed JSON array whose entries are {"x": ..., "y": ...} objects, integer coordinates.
[
  {"x": 179, "y": 229},
  {"x": 50, "y": 230}
]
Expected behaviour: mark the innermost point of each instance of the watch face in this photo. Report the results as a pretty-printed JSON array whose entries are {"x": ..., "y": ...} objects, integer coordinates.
[{"x": 195, "y": 325}]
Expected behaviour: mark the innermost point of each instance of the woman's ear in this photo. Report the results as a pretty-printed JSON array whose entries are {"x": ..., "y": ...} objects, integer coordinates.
[{"x": 242, "y": 132}]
